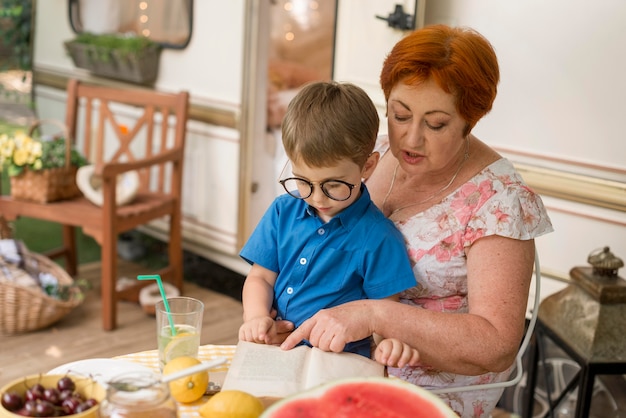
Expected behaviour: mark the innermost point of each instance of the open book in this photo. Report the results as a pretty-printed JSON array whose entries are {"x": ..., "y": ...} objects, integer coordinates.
[{"x": 268, "y": 371}]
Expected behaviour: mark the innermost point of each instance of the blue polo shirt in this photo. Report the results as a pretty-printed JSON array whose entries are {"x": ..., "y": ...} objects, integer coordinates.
[{"x": 358, "y": 254}]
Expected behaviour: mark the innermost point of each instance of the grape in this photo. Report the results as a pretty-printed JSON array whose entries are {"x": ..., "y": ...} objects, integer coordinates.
[
  {"x": 12, "y": 401},
  {"x": 66, "y": 383}
]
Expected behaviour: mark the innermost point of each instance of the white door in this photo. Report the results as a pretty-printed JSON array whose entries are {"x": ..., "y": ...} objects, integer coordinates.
[{"x": 363, "y": 39}]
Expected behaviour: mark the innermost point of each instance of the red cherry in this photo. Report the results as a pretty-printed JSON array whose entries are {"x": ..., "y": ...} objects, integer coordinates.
[
  {"x": 69, "y": 405},
  {"x": 66, "y": 383},
  {"x": 12, "y": 401}
]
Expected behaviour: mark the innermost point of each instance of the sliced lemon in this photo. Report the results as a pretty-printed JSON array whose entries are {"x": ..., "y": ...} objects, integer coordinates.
[{"x": 183, "y": 344}]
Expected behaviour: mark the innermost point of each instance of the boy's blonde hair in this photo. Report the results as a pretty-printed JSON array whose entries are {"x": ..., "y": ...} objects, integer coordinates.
[{"x": 330, "y": 121}]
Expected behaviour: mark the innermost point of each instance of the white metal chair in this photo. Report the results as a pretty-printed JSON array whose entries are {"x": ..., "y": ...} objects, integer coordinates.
[{"x": 519, "y": 372}]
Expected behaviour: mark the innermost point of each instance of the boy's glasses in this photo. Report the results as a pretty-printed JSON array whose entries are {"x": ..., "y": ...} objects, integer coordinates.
[{"x": 301, "y": 189}]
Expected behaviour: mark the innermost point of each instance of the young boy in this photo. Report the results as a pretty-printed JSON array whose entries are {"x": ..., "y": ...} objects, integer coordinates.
[{"x": 325, "y": 242}]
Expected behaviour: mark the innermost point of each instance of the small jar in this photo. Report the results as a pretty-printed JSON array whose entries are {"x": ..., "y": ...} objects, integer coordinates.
[{"x": 138, "y": 395}]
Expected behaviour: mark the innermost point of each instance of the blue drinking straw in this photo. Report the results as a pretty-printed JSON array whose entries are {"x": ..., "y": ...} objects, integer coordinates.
[{"x": 167, "y": 306}]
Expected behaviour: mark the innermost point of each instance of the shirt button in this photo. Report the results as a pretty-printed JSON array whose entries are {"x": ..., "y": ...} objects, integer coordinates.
[
  {"x": 303, "y": 261},
  {"x": 279, "y": 318},
  {"x": 289, "y": 290},
  {"x": 321, "y": 231}
]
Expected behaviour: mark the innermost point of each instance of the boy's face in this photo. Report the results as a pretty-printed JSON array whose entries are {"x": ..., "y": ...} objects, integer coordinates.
[{"x": 345, "y": 170}]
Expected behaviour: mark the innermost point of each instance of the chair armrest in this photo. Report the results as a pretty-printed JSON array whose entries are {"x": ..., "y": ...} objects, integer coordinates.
[{"x": 113, "y": 169}]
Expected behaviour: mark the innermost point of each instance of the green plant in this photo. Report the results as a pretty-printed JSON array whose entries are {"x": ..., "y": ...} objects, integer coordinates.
[
  {"x": 20, "y": 152},
  {"x": 15, "y": 30},
  {"x": 102, "y": 46}
]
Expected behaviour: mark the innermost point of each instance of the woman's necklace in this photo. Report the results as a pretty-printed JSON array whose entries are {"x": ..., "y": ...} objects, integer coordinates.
[{"x": 393, "y": 180}]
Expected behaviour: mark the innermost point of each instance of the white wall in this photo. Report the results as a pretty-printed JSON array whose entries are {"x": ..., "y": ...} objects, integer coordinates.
[
  {"x": 560, "y": 101},
  {"x": 210, "y": 68},
  {"x": 562, "y": 74}
]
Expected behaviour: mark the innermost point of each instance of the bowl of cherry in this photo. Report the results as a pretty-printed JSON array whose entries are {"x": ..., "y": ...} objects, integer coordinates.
[{"x": 51, "y": 396}]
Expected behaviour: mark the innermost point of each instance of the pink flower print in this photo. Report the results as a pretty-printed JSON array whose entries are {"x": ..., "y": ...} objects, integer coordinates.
[
  {"x": 471, "y": 235},
  {"x": 416, "y": 255},
  {"x": 501, "y": 217},
  {"x": 470, "y": 197},
  {"x": 530, "y": 219},
  {"x": 448, "y": 247},
  {"x": 479, "y": 409},
  {"x": 443, "y": 220}
]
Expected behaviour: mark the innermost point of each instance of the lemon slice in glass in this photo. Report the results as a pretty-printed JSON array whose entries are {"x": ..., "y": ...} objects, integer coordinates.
[{"x": 183, "y": 344}]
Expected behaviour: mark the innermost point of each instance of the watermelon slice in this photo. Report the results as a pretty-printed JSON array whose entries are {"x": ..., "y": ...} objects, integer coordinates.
[{"x": 378, "y": 397}]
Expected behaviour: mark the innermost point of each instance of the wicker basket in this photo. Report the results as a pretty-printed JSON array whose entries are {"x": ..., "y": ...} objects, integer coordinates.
[
  {"x": 23, "y": 309},
  {"x": 51, "y": 184}
]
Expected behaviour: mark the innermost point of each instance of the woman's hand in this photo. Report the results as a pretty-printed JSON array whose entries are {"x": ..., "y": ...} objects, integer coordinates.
[{"x": 331, "y": 329}]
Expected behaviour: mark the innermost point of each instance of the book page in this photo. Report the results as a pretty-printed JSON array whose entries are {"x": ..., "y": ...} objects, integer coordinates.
[
  {"x": 267, "y": 370},
  {"x": 327, "y": 366}
]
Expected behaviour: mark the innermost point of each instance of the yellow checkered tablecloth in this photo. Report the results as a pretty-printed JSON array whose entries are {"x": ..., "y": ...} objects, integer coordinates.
[{"x": 150, "y": 359}]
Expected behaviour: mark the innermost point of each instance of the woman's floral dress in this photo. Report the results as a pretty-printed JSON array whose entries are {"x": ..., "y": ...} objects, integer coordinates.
[{"x": 495, "y": 202}]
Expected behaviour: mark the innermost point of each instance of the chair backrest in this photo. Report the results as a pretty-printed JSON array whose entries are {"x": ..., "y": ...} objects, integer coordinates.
[
  {"x": 519, "y": 368},
  {"x": 110, "y": 124}
]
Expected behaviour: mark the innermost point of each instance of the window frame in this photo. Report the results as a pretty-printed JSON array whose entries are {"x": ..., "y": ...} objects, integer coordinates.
[{"x": 73, "y": 14}]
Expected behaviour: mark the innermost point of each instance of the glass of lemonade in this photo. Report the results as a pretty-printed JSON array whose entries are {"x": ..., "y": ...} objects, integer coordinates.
[{"x": 186, "y": 317}]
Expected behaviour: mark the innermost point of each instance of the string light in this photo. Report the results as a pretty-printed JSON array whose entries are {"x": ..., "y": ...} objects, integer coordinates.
[{"x": 143, "y": 18}]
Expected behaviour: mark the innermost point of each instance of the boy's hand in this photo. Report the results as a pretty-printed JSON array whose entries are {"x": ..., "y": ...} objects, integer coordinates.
[
  {"x": 261, "y": 329},
  {"x": 394, "y": 353}
]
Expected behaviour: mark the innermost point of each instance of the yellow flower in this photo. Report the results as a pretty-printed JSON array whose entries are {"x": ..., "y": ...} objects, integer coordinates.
[
  {"x": 21, "y": 151},
  {"x": 37, "y": 149},
  {"x": 20, "y": 157},
  {"x": 21, "y": 138},
  {"x": 6, "y": 148}
]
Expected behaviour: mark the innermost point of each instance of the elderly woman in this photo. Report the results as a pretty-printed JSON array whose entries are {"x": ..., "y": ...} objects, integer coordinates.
[{"x": 468, "y": 219}]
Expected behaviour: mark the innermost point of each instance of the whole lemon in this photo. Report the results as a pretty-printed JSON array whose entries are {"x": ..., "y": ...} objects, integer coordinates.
[
  {"x": 189, "y": 388},
  {"x": 232, "y": 404}
]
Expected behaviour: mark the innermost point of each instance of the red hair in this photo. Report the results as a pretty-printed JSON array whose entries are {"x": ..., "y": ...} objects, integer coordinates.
[{"x": 460, "y": 60}]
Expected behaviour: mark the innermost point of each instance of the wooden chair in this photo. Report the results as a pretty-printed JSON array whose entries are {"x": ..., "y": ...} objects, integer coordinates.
[{"x": 151, "y": 140}]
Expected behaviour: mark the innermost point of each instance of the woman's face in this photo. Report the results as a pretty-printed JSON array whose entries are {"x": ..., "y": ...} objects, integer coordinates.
[{"x": 425, "y": 130}]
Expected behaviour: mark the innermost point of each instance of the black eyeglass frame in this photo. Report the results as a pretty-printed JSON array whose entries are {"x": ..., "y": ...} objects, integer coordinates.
[{"x": 321, "y": 185}]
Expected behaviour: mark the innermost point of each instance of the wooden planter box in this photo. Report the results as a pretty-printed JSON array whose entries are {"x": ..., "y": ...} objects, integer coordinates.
[{"x": 139, "y": 68}]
